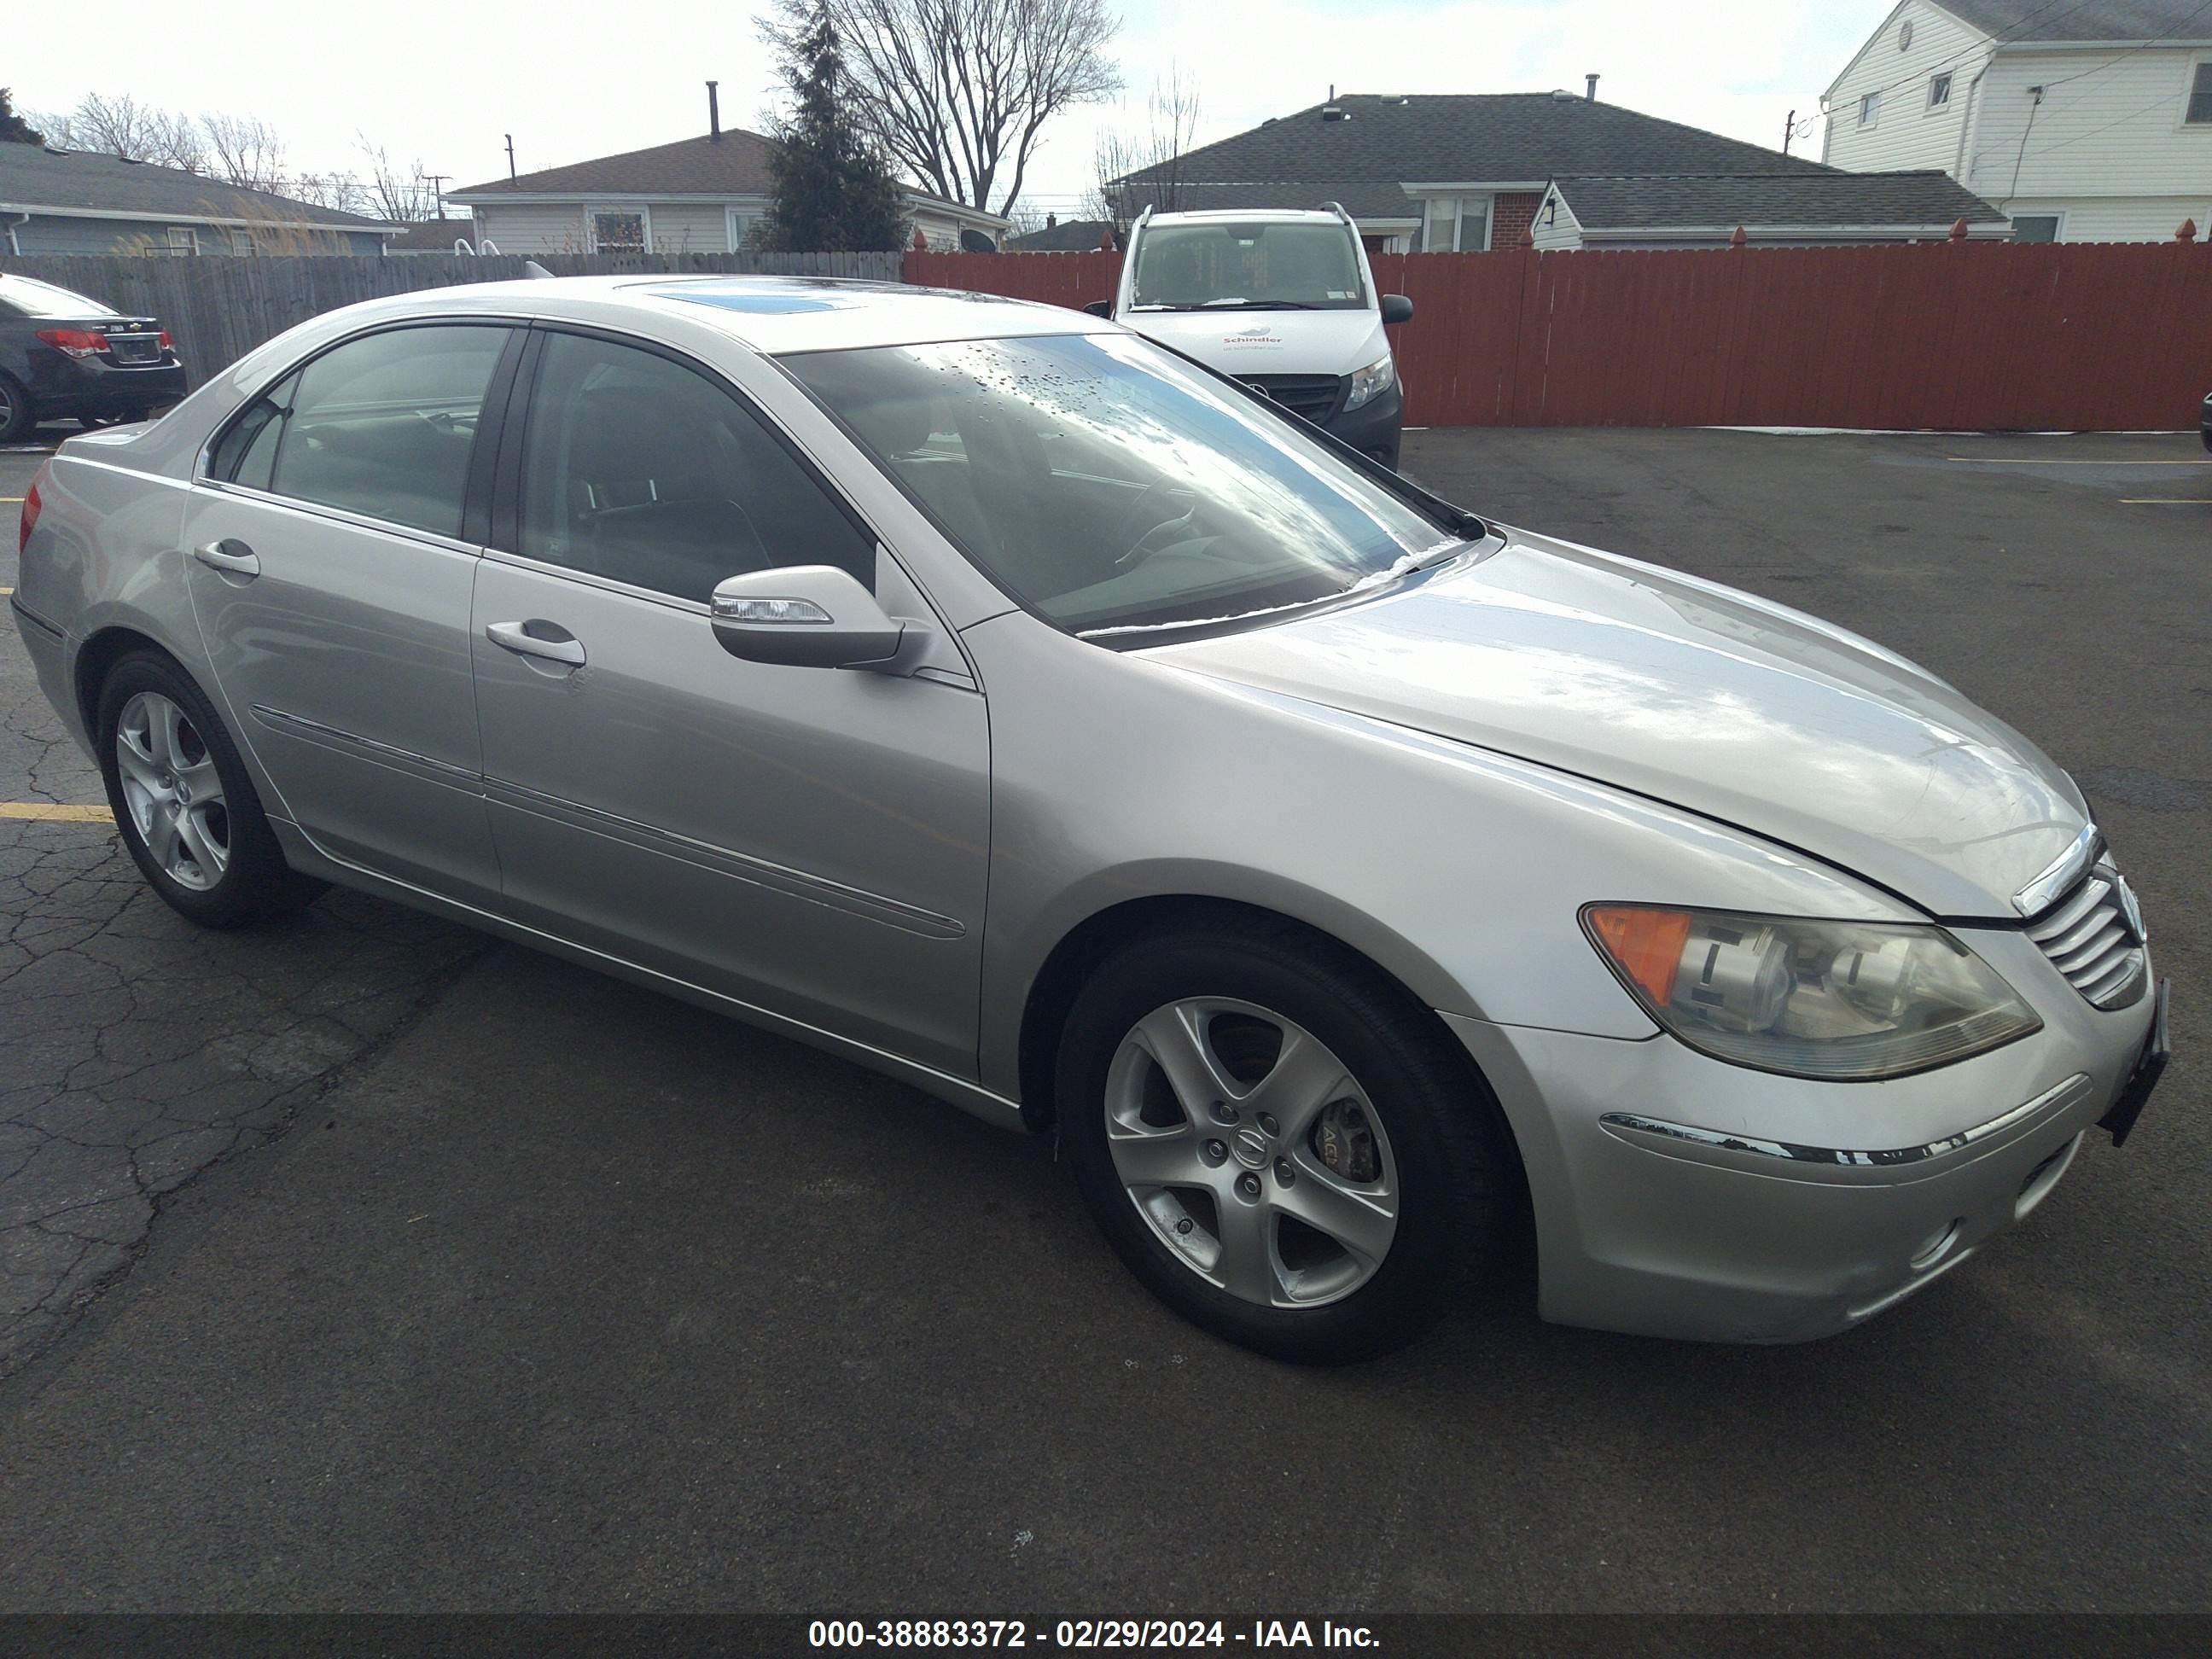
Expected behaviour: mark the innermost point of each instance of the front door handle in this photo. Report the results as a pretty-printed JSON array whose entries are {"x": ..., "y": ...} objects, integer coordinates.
[
  {"x": 518, "y": 637},
  {"x": 230, "y": 555}
]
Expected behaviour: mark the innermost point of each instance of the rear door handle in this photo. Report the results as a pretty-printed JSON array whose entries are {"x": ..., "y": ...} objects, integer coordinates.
[
  {"x": 231, "y": 556},
  {"x": 516, "y": 636}
]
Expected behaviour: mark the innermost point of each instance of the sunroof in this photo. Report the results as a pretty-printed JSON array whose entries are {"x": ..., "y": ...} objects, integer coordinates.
[{"x": 756, "y": 300}]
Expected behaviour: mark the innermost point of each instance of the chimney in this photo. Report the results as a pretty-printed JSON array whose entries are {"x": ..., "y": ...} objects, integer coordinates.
[
  {"x": 714, "y": 109},
  {"x": 1590, "y": 87},
  {"x": 1051, "y": 219}
]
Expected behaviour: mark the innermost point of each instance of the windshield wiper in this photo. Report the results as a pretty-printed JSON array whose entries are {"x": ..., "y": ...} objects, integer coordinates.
[{"x": 1257, "y": 304}]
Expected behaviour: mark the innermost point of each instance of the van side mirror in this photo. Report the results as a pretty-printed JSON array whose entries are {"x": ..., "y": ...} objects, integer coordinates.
[
  {"x": 1397, "y": 308},
  {"x": 804, "y": 616},
  {"x": 1100, "y": 307}
]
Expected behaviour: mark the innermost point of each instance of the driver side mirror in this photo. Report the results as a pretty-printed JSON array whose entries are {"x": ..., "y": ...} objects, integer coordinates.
[
  {"x": 1100, "y": 307},
  {"x": 804, "y": 616},
  {"x": 1397, "y": 308}
]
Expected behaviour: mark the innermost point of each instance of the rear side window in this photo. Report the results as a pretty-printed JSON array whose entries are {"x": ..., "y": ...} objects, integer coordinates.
[
  {"x": 640, "y": 470},
  {"x": 382, "y": 426}
]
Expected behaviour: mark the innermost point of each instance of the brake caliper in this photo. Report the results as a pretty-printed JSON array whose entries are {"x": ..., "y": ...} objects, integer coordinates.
[{"x": 1344, "y": 1140}]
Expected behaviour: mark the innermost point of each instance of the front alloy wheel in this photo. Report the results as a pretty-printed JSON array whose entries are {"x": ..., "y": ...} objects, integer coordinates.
[{"x": 1252, "y": 1152}]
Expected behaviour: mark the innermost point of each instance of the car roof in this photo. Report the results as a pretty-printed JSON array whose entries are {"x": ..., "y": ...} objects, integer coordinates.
[
  {"x": 1247, "y": 216},
  {"x": 773, "y": 315}
]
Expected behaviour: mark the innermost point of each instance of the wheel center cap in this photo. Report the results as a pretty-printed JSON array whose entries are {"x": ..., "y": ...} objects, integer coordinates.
[{"x": 1251, "y": 1147}]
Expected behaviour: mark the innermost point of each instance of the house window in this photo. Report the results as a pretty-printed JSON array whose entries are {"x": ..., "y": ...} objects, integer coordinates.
[
  {"x": 2200, "y": 98},
  {"x": 618, "y": 230},
  {"x": 741, "y": 225},
  {"x": 1939, "y": 90},
  {"x": 1870, "y": 108},
  {"x": 184, "y": 239},
  {"x": 2035, "y": 227},
  {"x": 241, "y": 242},
  {"x": 1457, "y": 224}
]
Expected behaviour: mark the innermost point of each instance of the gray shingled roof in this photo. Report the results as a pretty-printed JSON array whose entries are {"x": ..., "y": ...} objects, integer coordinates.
[
  {"x": 1816, "y": 200},
  {"x": 1490, "y": 137},
  {"x": 1068, "y": 236},
  {"x": 1361, "y": 199},
  {"x": 735, "y": 164},
  {"x": 34, "y": 177},
  {"x": 2098, "y": 19}
]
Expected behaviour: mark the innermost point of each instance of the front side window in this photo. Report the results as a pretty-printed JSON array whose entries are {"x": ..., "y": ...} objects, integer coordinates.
[
  {"x": 28, "y": 297},
  {"x": 1301, "y": 265},
  {"x": 640, "y": 470},
  {"x": 622, "y": 232},
  {"x": 383, "y": 426},
  {"x": 1111, "y": 487},
  {"x": 2200, "y": 97}
]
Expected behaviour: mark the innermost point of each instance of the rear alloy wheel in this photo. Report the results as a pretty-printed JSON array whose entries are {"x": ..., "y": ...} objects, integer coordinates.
[
  {"x": 17, "y": 418},
  {"x": 1281, "y": 1143},
  {"x": 184, "y": 803}
]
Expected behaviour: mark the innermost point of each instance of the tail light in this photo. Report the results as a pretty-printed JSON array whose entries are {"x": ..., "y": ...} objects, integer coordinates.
[
  {"x": 168, "y": 345},
  {"x": 30, "y": 512},
  {"x": 74, "y": 342}
]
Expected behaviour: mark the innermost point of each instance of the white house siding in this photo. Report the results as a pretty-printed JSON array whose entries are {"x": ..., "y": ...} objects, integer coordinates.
[
  {"x": 1906, "y": 133},
  {"x": 2113, "y": 135},
  {"x": 1563, "y": 232},
  {"x": 532, "y": 226},
  {"x": 2118, "y": 219},
  {"x": 54, "y": 233},
  {"x": 689, "y": 227}
]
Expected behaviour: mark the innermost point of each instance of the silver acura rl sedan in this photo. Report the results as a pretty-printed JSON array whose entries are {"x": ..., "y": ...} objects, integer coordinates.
[{"x": 1002, "y": 700}]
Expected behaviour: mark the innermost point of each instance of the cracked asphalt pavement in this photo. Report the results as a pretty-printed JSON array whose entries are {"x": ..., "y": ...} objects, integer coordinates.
[{"x": 354, "y": 1264}]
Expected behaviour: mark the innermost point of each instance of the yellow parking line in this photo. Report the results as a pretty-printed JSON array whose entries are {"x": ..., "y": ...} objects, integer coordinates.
[
  {"x": 11, "y": 498},
  {"x": 48, "y": 810},
  {"x": 2163, "y": 501}
]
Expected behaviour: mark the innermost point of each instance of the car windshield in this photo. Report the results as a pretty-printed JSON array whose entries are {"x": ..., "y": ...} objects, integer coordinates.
[
  {"x": 1113, "y": 488},
  {"x": 1307, "y": 265},
  {"x": 33, "y": 298}
]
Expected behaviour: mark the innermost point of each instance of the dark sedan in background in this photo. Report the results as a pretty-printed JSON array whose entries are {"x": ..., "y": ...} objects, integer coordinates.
[{"x": 62, "y": 354}]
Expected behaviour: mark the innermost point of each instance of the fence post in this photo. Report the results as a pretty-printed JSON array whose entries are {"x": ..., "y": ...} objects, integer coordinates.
[{"x": 2187, "y": 233}]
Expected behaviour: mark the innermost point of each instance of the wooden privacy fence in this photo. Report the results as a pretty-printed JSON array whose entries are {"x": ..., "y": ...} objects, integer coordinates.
[
  {"x": 1964, "y": 336},
  {"x": 219, "y": 308}
]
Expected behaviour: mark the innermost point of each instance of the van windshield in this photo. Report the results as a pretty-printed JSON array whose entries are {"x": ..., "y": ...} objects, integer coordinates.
[
  {"x": 1112, "y": 488},
  {"x": 1306, "y": 264}
]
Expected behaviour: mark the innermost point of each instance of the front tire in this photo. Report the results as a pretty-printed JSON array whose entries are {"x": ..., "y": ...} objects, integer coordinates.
[
  {"x": 1280, "y": 1142},
  {"x": 183, "y": 801}
]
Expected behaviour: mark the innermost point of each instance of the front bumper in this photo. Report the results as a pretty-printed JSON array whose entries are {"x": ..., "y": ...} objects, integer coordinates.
[
  {"x": 1678, "y": 1196},
  {"x": 1373, "y": 428}
]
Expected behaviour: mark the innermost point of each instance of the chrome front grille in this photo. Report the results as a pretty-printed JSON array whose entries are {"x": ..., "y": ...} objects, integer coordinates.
[{"x": 2095, "y": 936}]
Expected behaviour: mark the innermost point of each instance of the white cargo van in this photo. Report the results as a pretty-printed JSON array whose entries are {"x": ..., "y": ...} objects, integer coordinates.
[{"x": 1280, "y": 298}]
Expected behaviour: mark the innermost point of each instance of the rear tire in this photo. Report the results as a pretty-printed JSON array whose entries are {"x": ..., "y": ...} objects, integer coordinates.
[
  {"x": 184, "y": 803},
  {"x": 18, "y": 419},
  {"x": 1356, "y": 1169}
]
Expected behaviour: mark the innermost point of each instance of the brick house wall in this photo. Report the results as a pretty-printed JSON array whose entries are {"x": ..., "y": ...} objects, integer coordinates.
[{"x": 1511, "y": 217}]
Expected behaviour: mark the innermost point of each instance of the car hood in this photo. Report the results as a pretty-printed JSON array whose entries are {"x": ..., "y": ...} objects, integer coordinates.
[
  {"x": 1694, "y": 693},
  {"x": 1268, "y": 341}
]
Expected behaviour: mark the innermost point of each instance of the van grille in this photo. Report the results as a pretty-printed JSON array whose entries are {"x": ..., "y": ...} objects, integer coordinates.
[
  {"x": 1312, "y": 396},
  {"x": 2095, "y": 936}
]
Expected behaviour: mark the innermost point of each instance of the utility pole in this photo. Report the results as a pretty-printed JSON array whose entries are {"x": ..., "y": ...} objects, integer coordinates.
[
  {"x": 438, "y": 192},
  {"x": 510, "y": 154},
  {"x": 1789, "y": 131}
]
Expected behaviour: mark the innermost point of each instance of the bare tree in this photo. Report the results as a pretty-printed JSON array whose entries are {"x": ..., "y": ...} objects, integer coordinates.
[
  {"x": 244, "y": 150},
  {"x": 137, "y": 132},
  {"x": 1146, "y": 167},
  {"x": 399, "y": 195},
  {"x": 343, "y": 192},
  {"x": 958, "y": 91}
]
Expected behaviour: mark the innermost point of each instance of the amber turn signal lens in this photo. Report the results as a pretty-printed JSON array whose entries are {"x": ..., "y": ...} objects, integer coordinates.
[{"x": 1646, "y": 942}]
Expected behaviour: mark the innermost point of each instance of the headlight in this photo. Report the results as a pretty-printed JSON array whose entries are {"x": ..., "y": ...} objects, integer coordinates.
[
  {"x": 1372, "y": 382},
  {"x": 1841, "y": 1001}
]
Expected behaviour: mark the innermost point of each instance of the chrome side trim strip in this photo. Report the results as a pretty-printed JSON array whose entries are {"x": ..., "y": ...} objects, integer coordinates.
[
  {"x": 329, "y": 737},
  {"x": 2064, "y": 870},
  {"x": 1623, "y": 1124},
  {"x": 797, "y": 884}
]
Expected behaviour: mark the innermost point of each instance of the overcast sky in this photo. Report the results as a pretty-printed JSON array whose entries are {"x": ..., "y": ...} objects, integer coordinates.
[{"x": 442, "y": 80}]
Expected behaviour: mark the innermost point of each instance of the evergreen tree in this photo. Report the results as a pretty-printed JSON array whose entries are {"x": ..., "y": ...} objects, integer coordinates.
[
  {"x": 14, "y": 129},
  {"x": 834, "y": 193}
]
